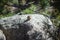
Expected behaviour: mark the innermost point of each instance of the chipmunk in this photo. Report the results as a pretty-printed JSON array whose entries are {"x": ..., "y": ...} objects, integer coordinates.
[{"x": 28, "y": 18}]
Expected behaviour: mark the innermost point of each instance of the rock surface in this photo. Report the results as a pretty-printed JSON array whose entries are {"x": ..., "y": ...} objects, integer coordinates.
[
  {"x": 28, "y": 27},
  {"x": 2, "y": 36}
]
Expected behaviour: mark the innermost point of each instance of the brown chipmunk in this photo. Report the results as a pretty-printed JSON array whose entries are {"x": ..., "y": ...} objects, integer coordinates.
[{"x": 28, "y": 18}]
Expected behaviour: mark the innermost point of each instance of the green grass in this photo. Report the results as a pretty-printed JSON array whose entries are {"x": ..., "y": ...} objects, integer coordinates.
[
  {"x": 6, "y": 15},
  {"x": 30, "y": 10}
]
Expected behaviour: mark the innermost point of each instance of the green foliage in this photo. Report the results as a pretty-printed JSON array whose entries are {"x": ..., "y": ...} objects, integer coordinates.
[
  {"x": 30, "y": 10},
  {"x": 15, "y": 2},
  {"x": 44, "y": 3},
  {"x": 6, "y": 15},
  {"x": 58, "y": 17}
]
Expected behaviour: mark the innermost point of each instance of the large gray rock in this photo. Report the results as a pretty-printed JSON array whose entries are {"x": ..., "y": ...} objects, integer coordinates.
[
  {"x": 28, "y": 27},
  {"x": 2, "y": 36}
]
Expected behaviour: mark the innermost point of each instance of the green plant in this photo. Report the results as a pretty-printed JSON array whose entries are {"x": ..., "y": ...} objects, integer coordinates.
[
  {"x": 6, "y": 15},
  {"x": 30, "y": 10}
]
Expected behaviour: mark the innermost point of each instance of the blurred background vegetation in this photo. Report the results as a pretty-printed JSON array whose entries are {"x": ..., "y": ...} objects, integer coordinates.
[{"x": 50, "y": 8}]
